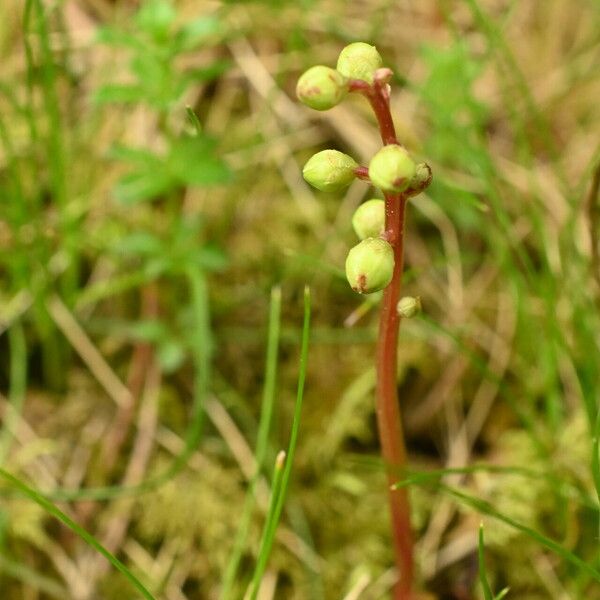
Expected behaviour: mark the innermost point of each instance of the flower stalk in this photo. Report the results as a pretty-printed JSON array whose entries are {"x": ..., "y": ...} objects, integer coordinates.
[
  {"x": 389, "y": 423},
  {"x": 376, "y": 263}
]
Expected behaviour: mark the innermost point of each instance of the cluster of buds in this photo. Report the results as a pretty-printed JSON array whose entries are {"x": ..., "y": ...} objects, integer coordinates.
[{"x": 370, "y": 264}]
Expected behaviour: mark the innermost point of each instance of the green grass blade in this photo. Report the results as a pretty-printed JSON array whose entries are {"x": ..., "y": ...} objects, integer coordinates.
[
  {"x": 30, "y": 75},
  {"x": 266, "y": 417},
  {"x": 486, "y": 508},
  {"x": 193, "y": 118},
  {"x": 270, "y": 522},
  {"x": 485, "y": 584},
  {"x": 279, "y": 500},
  {"x": 202, "y": 345},
  {"x": 77, "y": 529},
  {"x": 561, "y": 487}
]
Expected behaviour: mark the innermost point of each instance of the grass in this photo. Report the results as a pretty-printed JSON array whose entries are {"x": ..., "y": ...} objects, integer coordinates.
[
  {"x": 53, "y": 510},
  {"x": 262, "y": 441},
  {"x": 163, "y": 230},
  {"x": 283, "y": 464}
]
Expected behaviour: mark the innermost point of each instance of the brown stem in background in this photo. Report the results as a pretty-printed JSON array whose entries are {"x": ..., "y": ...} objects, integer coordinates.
[
  {"x": 141, "y": 362},
  {"x": 389, "y": 421}
]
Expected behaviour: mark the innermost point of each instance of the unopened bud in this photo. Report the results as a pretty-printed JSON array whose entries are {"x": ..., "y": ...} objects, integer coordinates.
[
  {"x": 421, "y": 179},
  {"x": 330, "y": 170},
  {"x": 392, "y": 169},
  {"x": 369, "y": 219},
  {"x": 321, "y": 88},
  {"x": 409, "y": 307},
  {"x": 370, "y": 265},
  {"x": 359, "y": 61}
]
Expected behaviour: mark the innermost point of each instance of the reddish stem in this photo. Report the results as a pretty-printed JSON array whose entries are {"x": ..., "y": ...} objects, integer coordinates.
[
  {"x": 362, "y": 173},
  {"x": 389, "y": 421}
]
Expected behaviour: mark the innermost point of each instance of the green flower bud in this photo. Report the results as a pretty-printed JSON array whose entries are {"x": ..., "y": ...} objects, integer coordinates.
[
  {"x": 392, "y": 169},
  {"x": 421, "y": 180},
  {"x": 359, "y": 61},
  {"x": 370, "y": 265},
  {"x": 321, "y": 88},
  {"x": 409, "y": 307},
  {"x": 330, "y": 170},
  {"x": 369, "y": 219}
]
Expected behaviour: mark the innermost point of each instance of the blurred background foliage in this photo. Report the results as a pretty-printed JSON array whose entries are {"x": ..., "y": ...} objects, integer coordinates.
[{"x": 150, "y": 198}]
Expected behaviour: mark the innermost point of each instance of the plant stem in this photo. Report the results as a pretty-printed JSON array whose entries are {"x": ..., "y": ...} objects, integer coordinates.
[
  {"x": 388, "y": 409},
  {"x": 389, "y": 421}
]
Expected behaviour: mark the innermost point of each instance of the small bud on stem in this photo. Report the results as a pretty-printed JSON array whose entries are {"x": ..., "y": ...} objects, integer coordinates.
[
  {"x": 409, "y": 307},
  {"x": 359, "y": 61},
  {"x": 330, "y": 170},
  {"x": 321, "y": 88},
  {"x": 370, "y": 265},
  {"x": 420, "y": 181},
  {"x": 392, "y": 169},
  {"x": 369, "y": 219}
]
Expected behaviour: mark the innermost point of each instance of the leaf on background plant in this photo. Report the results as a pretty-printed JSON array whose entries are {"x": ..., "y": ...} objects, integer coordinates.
[
  {"x": 114, "y": 37},
  {"x": 192, "y": 161},
  {"x": 208, "y": 73},
  {"x": 119, "y": 93},
  {"x": 211, "y": 258},
  {"x": 138, "y": 156},
  {"x": 144, "y": 184},
  {"x": 155, "y": 77},
  {"x": 139, "y": 243},
  {"x": 155, "y": 18},
  {"x": 195, "y": 32},
  {"x": 157, "y": 266}
]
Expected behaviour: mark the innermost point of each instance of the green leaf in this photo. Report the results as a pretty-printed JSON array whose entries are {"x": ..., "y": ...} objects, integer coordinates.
[
  {"x": 192, "y": 161},
  {"x": 138, "y": 156},
  {"x": 146, "y": 184},
  {"x": 211, "y": 258},
  {"x": 150, "y": 68},
  {"x": 195, "y": 32},
  {"x": 113, "y": 37},
  {"x": 209, "y": 73},
  {"x": 119, "y": 93},
  {"x": 156, "y": 18},
  {"x": 149, "y": 180},
  {"x": 139, "y": 243}
]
